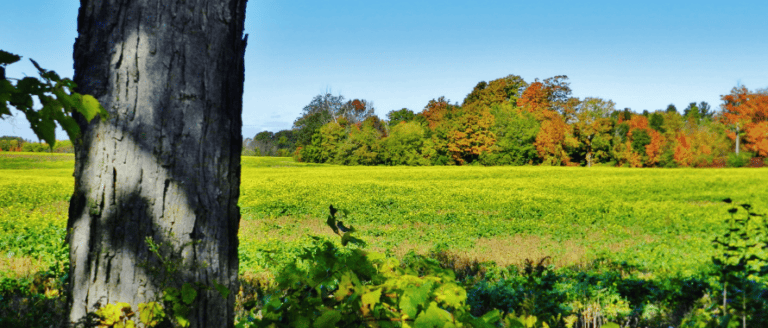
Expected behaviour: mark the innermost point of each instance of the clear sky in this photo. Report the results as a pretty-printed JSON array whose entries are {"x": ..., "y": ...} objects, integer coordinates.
[{"x": 640, "y": 54}]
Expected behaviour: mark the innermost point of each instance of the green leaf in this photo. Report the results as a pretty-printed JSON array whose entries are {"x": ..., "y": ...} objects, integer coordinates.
[
  {"x": 70, "y": 126},
  {"x": 433, "y": 317},
  {"x": 611, "y": 325},
  {"x": 346, "y": 286},
  {"x": 180, "y": 313},
  {"x": 413, "y": 297},
  {"x": 370, "y": 299},
  {"x": 4, "y": 110},
  {"x": 29, "y": 85},
  {"x": 8, "y": 58},
  {"x": 328, "y": 319},
  {"x": 188, "y": 293},
  {"x": 223, "y": 290},
  {"x": 451, "y": 294},
  {"x": 90, "y": 107},
  {"x": 171, "y": 294},
  {"x": 6, "y": 87},
  {"x": 492, "y": 316},
  {"x": 150, "y": 314}
]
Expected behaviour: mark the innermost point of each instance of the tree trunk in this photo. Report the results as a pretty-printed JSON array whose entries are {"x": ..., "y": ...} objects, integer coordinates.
[{"x": 166, "y": 164}]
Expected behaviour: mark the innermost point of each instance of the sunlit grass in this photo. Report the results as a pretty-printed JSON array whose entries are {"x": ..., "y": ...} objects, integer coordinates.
[{"x": 662, "y": 220}]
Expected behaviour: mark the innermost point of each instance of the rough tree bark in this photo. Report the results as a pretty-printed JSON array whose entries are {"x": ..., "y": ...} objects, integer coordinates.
[{"x": 166, "y": 164}]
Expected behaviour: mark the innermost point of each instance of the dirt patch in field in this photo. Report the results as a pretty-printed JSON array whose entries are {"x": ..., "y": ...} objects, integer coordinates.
[{"x": 18, "y": 267}]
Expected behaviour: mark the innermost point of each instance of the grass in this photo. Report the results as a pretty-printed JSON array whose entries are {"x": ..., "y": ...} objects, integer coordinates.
[{"x": 661, "y": 220}]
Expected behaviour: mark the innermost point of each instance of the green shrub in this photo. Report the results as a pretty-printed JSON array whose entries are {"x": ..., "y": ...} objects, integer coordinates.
[{"x": 739, "y": 160}]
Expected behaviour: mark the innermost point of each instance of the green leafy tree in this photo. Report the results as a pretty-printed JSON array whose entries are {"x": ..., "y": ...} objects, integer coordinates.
[
  {"x": 515, "y": 132},
  {"x": 671, "y": 109},
  {"x": 403, "y": 115},
  {"x": 506, "y": 89},
  {"x": 403, "y": 145},
  {"x": 592, "y": 127},
  {"x": 321, "y": 110},
  {"x": 692, "y": 112},
  {"x": 656, "y": 121},
  {"x": 363, "y": 144},
  {"x": 640, "y": 139}
]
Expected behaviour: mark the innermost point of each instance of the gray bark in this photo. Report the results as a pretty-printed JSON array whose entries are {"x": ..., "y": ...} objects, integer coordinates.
[{"x": 166, "y": 164}]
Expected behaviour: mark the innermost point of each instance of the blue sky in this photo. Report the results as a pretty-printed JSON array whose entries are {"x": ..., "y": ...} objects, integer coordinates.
[{"x": 642, "y": 55}]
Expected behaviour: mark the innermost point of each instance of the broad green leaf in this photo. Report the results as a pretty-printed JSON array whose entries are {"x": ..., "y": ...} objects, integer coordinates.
[
  {"x": 90, "y": 107},
  {"x": 370, "y": 299},
  {"x": 492, "y": 316},
  {"x": 180, "y": 313},
  {"x": 43, "y": 127},
  {"x": 64, "y": 98},
  {"x": 530, "y": 321},
  {"x": 611, "y": 325},
  {"x": 510, "y": 321},
  {"x": 68, "y": 124},
  {"x": 328, "y": 319},
  {"x": 188, "y": 293},
  {"x": 29, "y": 85},
  {"x": 413, "y": 297},
  {"x": 6, "y": 87},
  {"x": 223, "y": 290},
  {"x": 4, "y": 110},
  {"x": 21, "y": 101},
  {"x": 346, "y": 286},
  {"x": 150, "y": 314},
  {"x": 433, "y": 317},
  {"x": 452, "y": 294},
  {"x": 171, "y": 294},
  {"x": 8, "y": 58}
]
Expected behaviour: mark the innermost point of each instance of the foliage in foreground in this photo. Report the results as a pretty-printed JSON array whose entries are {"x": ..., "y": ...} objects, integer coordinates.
[
  {"x": 332, "y": 287},
  {"x": 634, "y": 293}
]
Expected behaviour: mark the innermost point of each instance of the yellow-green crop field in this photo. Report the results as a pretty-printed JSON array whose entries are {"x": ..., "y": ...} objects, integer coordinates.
[{"x": 661, "y": 221}]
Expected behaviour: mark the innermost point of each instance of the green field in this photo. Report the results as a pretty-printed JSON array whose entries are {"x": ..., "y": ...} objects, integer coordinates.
[
  {"x": 659, "y": 220},
  {"x": 631, "y": 244}
]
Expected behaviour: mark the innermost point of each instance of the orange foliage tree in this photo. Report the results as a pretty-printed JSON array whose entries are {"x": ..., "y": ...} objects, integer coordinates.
[
  {"x": 699, "y": 145},
  {"x": 747, "y": 113},
  {"x": 472, "y": 134},
  {"x": 434, "y": 112},
  {"x": 548, "y": 101}
]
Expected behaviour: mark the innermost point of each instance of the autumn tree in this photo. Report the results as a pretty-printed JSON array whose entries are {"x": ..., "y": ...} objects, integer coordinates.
[
  {"x": 435, "y": 111},
  {"x": 747, "y": 114},
  {"x": 550, "y": 103},
  {"x": 470, "y": 135},
  {"x": 357, "y": 110},
  {"x": 166, "y": 165}
]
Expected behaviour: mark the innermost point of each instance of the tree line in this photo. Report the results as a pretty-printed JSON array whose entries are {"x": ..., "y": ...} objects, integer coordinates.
[
  {"x": 17, "y": 144},
  {"x": 509, "y": 121}
]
